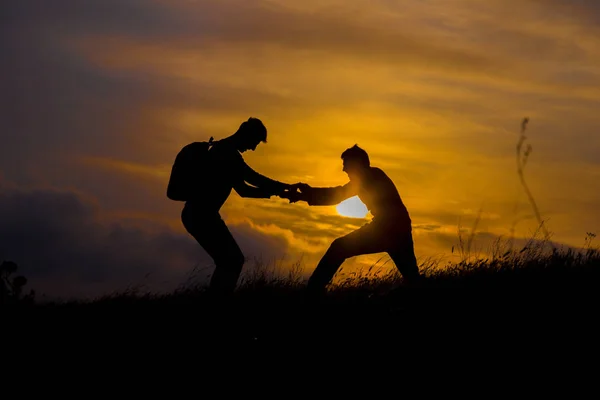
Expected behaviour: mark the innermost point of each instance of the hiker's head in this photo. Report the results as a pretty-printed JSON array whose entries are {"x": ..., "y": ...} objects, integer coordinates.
[
  {"x": 250, "y": 134},
  {"x": 356, "y": 161}
]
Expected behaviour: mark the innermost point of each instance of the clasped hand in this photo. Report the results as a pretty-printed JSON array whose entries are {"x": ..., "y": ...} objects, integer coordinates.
[{"x": 295, "y": 192}]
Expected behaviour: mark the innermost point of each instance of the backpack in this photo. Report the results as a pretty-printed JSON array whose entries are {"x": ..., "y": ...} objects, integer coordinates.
[{"x": 187, "y": 170}]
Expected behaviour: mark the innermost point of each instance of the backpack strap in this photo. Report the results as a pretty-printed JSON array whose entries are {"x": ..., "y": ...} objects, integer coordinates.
[{"x": 212, "y": 142}]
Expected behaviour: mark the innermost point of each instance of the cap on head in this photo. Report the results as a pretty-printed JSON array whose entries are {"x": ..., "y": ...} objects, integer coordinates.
[
  {"x": 356, "y": 154},
  {"x": 253, "y": 127}
]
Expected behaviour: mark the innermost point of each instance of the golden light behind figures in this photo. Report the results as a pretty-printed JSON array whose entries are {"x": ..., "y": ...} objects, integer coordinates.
[{"x": 353, "y": 208}]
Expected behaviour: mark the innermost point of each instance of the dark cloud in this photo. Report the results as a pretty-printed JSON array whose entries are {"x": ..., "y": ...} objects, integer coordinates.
[
  {"x": 585, "y": 10},
  {"x": 65, "y": 248},
  {"x": 237, "y": 21},
  {"x": 130, "y": 17},
  {"x": 55, "y": 103},
  {"x": 335, "y": 32}
]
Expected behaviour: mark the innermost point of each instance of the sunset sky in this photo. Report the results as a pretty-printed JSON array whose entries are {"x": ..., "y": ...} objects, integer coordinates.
[{"x": 98, "y": 96}]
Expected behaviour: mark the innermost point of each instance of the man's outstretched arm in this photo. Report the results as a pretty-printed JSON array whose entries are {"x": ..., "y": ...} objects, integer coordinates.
[
  {"x": 254, "y": 178},
  {"x": 247, "y": 191},
  {"x": 328, "y": 196}
]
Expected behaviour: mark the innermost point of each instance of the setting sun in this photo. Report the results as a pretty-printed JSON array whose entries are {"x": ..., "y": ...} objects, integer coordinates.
[{"x": 352, "y": 207}]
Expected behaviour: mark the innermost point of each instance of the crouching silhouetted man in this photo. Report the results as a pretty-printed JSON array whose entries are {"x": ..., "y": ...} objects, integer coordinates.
[
  {"x": 389, "y": 231},
  {"x": 226, "y": 170}
]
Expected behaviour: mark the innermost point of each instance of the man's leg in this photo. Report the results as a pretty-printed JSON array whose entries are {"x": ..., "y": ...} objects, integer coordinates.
[
  {"x": 364, "y": 240},
  {"x": 216, "y": 239},
  {"x": 228, "y": 257},
  {"x": 403, "y": 255}
]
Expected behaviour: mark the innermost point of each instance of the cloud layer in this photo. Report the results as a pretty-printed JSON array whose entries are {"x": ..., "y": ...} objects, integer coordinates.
[{"x": 66, "y": 247}]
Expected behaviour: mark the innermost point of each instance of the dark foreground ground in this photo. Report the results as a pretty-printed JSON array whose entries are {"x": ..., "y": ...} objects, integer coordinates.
[
  {"x": 545, "y": 314},
  {"x": 486, "y": 340}
]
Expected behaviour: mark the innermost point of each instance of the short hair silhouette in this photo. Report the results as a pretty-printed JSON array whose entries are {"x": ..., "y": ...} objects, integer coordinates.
[
  {"x": 358, "y": 154},
  {"x": 253, "y": 127}
]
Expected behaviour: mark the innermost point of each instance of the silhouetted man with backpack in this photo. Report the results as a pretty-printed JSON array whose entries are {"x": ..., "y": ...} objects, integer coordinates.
[
  {"x": 203, "y": 175},
  {"x": 390, "y": 230}
]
